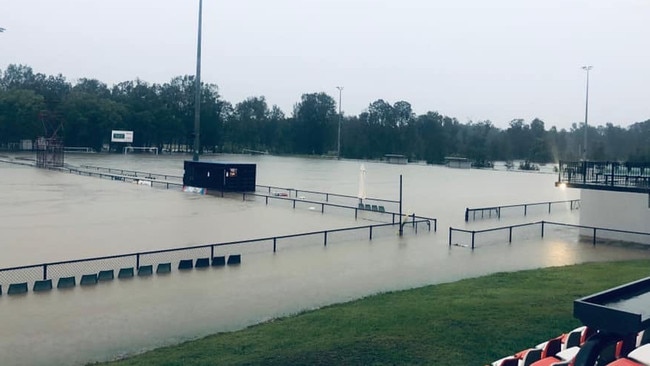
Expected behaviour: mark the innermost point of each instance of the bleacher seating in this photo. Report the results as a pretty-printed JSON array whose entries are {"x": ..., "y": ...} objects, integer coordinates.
[{"x": 631, "y": 350}]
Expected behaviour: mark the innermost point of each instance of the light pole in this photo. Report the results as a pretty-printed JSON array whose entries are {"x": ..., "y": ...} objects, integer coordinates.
[
  {"x": 197, "y": 92},
  {"x": 584, "y": 147},
  {"x": 338, "y": 145}
]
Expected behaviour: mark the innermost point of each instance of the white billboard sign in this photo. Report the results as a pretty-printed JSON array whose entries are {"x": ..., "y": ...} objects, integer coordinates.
[{"x": 121, "y": 136}]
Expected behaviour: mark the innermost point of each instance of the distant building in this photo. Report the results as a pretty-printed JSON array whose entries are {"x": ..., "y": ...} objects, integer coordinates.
[
  {"x": 457, "y": 162},
  {"x": 395, "y": 159},
  {"x": 223, "y": 177},
  {"x": 612, "y": 195}
]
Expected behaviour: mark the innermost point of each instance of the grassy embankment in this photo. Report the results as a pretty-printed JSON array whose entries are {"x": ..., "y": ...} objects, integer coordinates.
[{"x": 469, "y": 322}]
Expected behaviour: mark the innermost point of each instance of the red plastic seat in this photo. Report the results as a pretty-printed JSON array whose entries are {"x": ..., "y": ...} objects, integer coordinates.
[{"x": 547, "y": 361}]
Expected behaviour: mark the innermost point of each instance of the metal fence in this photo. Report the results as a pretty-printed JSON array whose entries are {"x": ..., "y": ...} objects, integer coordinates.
[
  {"x": 372, "y": 209},
  {"x": 468, "y": 238},
  {"x": 612, "y": 175},
  {"x": 518, "y": 209},
  {"x": 276, "y": 191},
  {"x": 134, "y": 173},
  {"x": 90, "y": 271}
]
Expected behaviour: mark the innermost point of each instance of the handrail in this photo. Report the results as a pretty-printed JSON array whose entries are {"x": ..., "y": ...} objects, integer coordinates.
[
  {"x": 268, "y": 187},
  {"x": 606, "y": 175},
  {"x": 323, "y": 204},
  {"x": 543, "y": 224},
  {"x": 133, "y": 172},
  {"x": 497, "y": 209},
  {"x": 149, "y": 175},
  {"x": 274, "y": 239},
  {"x": 327, "y": 194}
]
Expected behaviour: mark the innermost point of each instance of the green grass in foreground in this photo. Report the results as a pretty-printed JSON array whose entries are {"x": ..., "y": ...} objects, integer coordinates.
[{"x": 469, "y": 322}]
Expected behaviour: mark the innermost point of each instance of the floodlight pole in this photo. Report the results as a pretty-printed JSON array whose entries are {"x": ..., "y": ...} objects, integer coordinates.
[
  {"x": 197, "y": 92},
  {"x": 584, "y": 147},
  {"x": 401, "y": 226},
  {"x": 338, "y": 145}
]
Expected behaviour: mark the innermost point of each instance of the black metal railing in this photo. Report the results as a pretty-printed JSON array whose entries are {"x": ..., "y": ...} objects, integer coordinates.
[
  {"x": 326, "y": 196},
  {"x": 153, "y": 180},
  {"x": 471, "y": 235},
  {"x": 190, "y": 257},
  {"x": 522, "y": 208},
  {"x": 626, "y": 176},
  {"x": 297, "y": 202},
  {"x": 271, "y": 190},
  {"x": 125, "y": 176},
  {"x": 134, "y": 173},
  {"x": 296, "y": 197}
]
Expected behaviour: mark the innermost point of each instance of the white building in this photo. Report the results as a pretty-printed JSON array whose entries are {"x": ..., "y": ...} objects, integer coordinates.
[{"x": 613, "y": 196}]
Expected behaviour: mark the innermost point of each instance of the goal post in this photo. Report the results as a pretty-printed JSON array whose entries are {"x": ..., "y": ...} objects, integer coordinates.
[{"x": 147, "y": 149}]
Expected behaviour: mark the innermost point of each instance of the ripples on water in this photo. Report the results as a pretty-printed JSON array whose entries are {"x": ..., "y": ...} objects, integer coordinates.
[{"x": 49, "y": 216}]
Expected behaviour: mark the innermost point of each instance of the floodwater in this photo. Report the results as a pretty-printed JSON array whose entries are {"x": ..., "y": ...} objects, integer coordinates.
[{"x": 48, "y": 216}]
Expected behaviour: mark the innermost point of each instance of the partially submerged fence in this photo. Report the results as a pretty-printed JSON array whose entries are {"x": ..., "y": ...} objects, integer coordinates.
[
  {"x": 518, "y": 209},
  {"x": 297, "y": 198},
  {"x": 134, "y": 173},
  {"x": 90, "y": 271},
  {"x": 126, "y": 176},
  {"x": 468, "y": 238},
  {"x": 327, "y": 196},
  {"x": 278, "y": 191}
]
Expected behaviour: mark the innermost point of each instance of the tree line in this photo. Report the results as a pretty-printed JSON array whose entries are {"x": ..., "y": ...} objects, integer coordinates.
[{"x": 162, "y": 115}]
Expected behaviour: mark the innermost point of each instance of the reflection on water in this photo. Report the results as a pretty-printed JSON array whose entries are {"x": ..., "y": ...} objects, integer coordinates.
[{"x": 48, "y": 216}]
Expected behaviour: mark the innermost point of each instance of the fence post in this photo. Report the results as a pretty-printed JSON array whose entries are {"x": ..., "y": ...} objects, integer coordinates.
[
  {"x": 371, "y": 232},
  {"x": 274, "y": 242},
  {"x": 510, "y": 235},
  {"x": 498, "y": 212},
  {"x": 294, "y": 202},
  {"x": 325, "y": 237},
  {"x": 450, "y": 230},
  {"x": 327, "y": 197},
  {"x": 356, "y": 212},
  {"x": 435, "y": 225},
  {"x": 466, "y": 214},
  {"x": 322, "y": 208},
  {"x": 267, "y": 200},
  {"x": 542, "y": 229},
  {"x": 473, "y": 232},
  {"x": 137, "y": 261},
  {"x": 594, "y": 236},
  {"x": 44, "y": 272},
  {"x": 525, "y": 209},
  {"x": 549, "y": 207}
]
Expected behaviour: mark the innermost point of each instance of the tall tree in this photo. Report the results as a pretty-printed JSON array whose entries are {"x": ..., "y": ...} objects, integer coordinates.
[{"x": 314, "y": 120}]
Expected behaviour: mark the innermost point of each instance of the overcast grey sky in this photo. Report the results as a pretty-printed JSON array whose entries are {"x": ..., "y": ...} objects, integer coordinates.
[{"x": 474, "y": 60}]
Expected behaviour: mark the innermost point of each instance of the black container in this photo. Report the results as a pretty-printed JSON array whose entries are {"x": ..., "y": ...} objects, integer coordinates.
[{"x": 225, "y": 177}]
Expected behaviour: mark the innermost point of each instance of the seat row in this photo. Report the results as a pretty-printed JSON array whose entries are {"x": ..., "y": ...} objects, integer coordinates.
[
  {"x": 371, "y": 207},
  {"x": 560, "y": 350},
  {"x": 123, "y": 273},
  {"x": 633, "y": 350}
]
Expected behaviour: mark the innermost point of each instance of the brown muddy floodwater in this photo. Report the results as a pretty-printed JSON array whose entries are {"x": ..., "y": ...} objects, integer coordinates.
[{"x": 47, "y": 216}]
